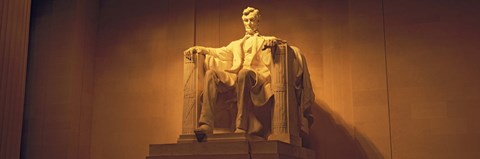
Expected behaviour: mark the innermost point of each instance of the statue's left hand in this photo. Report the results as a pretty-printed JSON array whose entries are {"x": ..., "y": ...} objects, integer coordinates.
[{"x": 272, "y": 42}]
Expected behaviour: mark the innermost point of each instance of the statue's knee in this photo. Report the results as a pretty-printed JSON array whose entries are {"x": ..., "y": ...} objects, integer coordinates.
[{"x": 210, "y": 74}]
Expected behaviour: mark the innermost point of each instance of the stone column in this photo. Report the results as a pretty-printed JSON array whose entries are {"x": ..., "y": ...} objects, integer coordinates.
[{"x": 14, "y": 30}]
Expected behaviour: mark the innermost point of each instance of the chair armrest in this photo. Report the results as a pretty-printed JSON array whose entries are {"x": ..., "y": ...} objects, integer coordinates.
[{"x": 193, "y": 72}]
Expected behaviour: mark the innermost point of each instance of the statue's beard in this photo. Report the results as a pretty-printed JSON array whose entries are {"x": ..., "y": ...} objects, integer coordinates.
[{"x": 250, "y": 31}]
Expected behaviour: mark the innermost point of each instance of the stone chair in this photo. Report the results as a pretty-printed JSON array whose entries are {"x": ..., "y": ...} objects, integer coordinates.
[{"x": 286, "y": 112}]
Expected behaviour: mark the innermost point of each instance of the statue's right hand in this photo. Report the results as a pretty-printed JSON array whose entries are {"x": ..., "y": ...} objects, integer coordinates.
[
  {"x": 189, "y": 52},
  {"x": 194, "y": 50}
]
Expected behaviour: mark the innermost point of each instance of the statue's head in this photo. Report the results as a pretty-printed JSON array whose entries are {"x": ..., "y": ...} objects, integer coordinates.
[{"x": 251, "y": 18}]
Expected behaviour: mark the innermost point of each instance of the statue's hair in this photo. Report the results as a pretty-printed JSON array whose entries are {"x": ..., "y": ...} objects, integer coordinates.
[{"x": 250, "y": 10}]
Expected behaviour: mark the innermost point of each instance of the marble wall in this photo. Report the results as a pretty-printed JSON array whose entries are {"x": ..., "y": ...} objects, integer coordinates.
[
  {"x": 434, "y": 78},
  {"x": 138, "y": 75},
  {"x": 59, "y": 91},
  {"x": 14, "y": 22},
  {"x": 392, "y": 79}
]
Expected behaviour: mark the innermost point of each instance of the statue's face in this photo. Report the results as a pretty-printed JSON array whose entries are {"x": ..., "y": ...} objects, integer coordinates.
[{"x": 251, "y": 23}]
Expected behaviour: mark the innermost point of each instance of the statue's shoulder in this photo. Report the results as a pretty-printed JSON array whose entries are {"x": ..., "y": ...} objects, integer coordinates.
[
  {"x": 268, "y": 37},
  {"x": 237, "y": 41}
]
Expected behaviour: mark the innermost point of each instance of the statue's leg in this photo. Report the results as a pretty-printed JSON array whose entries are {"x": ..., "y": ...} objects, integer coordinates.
[
  {"x": 246, "y": 79},
  {"x": 210, "y": 92}
]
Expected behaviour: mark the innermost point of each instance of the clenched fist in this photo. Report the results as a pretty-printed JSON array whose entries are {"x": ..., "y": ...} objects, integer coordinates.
[{"x": 271, "y": 42}]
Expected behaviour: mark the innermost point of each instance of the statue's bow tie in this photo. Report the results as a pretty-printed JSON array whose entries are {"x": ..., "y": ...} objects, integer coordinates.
[{"x": 250, "y": 35}]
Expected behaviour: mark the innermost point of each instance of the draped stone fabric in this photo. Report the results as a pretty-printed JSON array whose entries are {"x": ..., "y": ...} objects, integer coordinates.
[{"x": 236, "y": 56}]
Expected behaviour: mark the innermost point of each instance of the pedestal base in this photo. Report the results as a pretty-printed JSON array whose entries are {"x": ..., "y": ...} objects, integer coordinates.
[
  {"x": 221, "y": 137},
  {"x": 230, "y": 150}
]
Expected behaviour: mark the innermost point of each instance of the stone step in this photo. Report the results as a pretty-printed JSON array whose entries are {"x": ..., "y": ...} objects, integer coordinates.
[{"x": 230, "y": 150}]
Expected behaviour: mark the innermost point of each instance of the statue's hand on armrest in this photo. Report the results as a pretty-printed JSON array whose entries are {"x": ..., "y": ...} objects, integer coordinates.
[
  {"x": 195, "y": 50},
  {"x": 271, "y": 42}
]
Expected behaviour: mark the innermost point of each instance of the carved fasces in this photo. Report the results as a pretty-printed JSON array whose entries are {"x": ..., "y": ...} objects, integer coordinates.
[
  {"x": 285, "y": 112},
  {"x": 192, "y": 74}
]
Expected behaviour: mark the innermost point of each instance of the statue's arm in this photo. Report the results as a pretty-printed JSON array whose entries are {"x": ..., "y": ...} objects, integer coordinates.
[
  {"x": 223, "y": 53},
  {"x": 196, "y": 50}
]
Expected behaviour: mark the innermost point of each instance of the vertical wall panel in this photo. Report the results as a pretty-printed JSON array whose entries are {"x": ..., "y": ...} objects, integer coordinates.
[
  {"x": 14, "y": 22},
  {"x": 207, "y": 14},
  {"x": 434, "y": 78},
  {"x": 59, "y": 90},
  {"x": 369, "y": 82},
  {"x": 138, "y": 75}
]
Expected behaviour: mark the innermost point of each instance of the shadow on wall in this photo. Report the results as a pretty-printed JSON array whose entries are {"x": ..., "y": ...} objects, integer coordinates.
[{"x": 331, "y": 138}]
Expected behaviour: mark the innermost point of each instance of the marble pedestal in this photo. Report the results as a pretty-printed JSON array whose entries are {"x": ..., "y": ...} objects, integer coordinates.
[{"x": 231, "y": 149}]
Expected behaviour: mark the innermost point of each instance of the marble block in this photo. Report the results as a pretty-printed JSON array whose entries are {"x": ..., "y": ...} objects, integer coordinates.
[
  {"x": 230, "y": 150},
  {"x": 220, "y": 137}
]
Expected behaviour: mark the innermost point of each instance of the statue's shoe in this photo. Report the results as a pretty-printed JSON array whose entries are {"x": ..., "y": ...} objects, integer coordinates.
[
  {"x": 240, "y": 131},
  {"x": 206, "y": 129}
]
